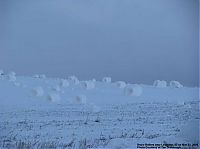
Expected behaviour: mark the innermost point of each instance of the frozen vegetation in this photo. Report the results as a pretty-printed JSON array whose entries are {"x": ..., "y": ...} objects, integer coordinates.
[{"x": 41, "y": 112}]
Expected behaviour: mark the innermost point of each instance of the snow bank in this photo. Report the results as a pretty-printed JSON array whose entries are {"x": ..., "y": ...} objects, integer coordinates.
[
  {"x": 11, "y": 76},
  {"x": 38, "y": 91},
  {"x": 160, "y": 83},
  {"x": 53, "y": 97},
  {"x": 121, "y": 84},
  {"x": 74, "y": 79},
  {"x": 81, "y": 99},
  {"x": 64, "y": 83},
  {"x": 133, "y": 90},
  {"x": 175, "y": 84},
  {"x": 106, "y": 80},
  {"x": 87, "y": 85}
]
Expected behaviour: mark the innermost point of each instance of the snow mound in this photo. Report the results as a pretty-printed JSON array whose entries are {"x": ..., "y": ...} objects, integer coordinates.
[
  {"x": 64, "y": 83},
  {"x": 160, "y": 83},
  {"x": 81, "y": 99},
  {"x": 106, "y": 80},
  {"x": 53, "y": 97},
  {"x": 175, "y": 84},
  {"x": 37, "y": 91},
  {"x": 74, "y": 79},
  {"x": 87, "y": 85},
  {"x": 12, "y": 77},
  {"x": 121, "y": 84},
  {"x": 133, "y": 90}
]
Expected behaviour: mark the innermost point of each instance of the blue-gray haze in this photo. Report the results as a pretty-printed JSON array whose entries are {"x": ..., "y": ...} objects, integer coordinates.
[{"x": 136, "y": 41}]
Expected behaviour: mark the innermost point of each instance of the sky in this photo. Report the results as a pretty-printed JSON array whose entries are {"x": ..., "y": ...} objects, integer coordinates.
[{"x": 137, "y": 41}]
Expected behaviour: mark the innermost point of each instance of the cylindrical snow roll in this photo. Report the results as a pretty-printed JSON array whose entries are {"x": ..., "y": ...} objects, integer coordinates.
[
  {"x": 175, "y": 84},
  {"x": 87, "y": 85},
  {"x": 133, "y": 90},
  {"x": 64, "y": 83},
  {"x": 81, "y": 99},
  {"x": 42, "y": 76},
  {"x": 1, "y": 72},
  {"x": 11, "y": 76},
  {"x": 74, "y": 79},
  {"x": 53, "y": 97},
  {"x": 106, "y": 80},
  {"x": 121, "y": 84},
  {"x": 160, "y": 83},
  {"x": 36, "y": 76},
  {"x": 56, "y": 88},
  {"x": 37, "y": 91}
]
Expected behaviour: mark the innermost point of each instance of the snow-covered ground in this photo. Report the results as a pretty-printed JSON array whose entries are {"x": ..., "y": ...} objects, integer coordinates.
[{"x": 40, "y": 112}]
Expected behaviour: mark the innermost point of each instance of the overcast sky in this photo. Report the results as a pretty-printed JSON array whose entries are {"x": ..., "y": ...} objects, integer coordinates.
[{"x": 137, "y": 41}]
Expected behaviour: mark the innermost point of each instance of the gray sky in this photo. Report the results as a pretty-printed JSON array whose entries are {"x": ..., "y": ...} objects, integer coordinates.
[{"x": 136, "y": 41}]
